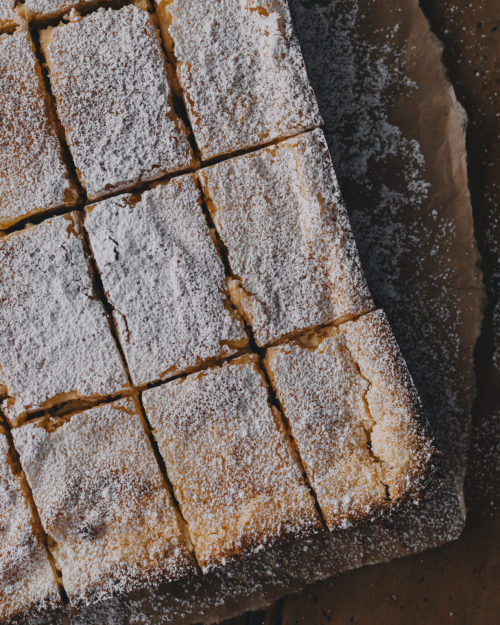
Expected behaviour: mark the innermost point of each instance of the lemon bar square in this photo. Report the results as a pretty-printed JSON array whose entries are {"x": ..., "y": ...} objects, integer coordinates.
[
  {"x": 33, "y": 176},
  {"x": 108, "y": 75},
  {"x": 228, "y": 458},
  {"x": 55, "y": 343},
  {"x": 103, "y": 501},
  {"x": 354, "y": 415},
  {"x": 165, "y": 280},
  {"x": 241, "y": 71},
  {"x": 290, "y": 247},
  {"x": 28, "y": 586}
]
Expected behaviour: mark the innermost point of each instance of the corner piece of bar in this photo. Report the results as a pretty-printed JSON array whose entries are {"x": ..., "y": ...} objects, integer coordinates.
[
  {"x": 28, "y": 587},
  {"x": 230, "y": 463},
  {"x": 33, "y": 176},
  {"x": 109, "y": 78},
  {"x": 55, "y": 343},
  {"x": 240, "y": 70},
  {"x": 40, "y": 10},
  {"x": 103, "y": 501},
  {"x": 355, "y": 417},
  {"x": 281, "y": 217},
  {"x": 9, "y": 17},
  {"x": 162, "y": 274}
]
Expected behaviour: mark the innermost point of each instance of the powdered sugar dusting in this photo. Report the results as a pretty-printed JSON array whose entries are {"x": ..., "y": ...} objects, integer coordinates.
[
  {"x": 33, "y": 176},
  {"x": 109, "y": 79},
  {"x": 26, "y": 577},
  {"x": 50, "y": 8},
  {"x": 241, "y": 70},
  {"x": 229, "y": 462},
  {"x": 280, "y": 215},
  {"x": 165, "y": 280},
  {"x": 102, "y": 499},
  {"x": 8, "y": 15},
  {"x": 55, "y": 342}
]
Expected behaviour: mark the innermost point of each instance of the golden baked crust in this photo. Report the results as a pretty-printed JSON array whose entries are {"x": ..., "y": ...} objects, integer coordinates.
[
  {"x": 103, "y": 501},
  {"x": 227, "y": 455}
]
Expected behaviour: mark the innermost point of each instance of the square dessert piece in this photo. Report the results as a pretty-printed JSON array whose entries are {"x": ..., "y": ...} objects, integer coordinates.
[
  {"x": 162, "y": 274},
  {"x": 281, "y": 218},
  {"x": 103, "y": 501},
  {"x": 108, "y": 75},
  {"x": 48, "y": 9},
  {"x": 229, "y": 460},
  {"x": 28, "y": 586},
  {"x": 8, "y": 14},
  {"x": 241, "y": 71},
  {"x": 355, "y": 416},
  {"x": 33, "y": 176},
  {"x": 55, "y": 344}
]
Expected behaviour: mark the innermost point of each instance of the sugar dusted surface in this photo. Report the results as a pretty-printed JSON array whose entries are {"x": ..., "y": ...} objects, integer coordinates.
[
  {"x": 27, "y": 582},
  {"x": 163, "y": 276},
  {"x": 33, "y": 176},
  {"x": 108, "y": 75},
  {"x": 323, "y": 398},
  {"x": 55, "y": 342},
  {"x": 280, "y": 215},
  {"x": 50, "y": 8},
  {"x": 102, "y": 499},
  {"x": 241, "y": 70},
  {"x": 8, "y": 14},
  {"x": 398, "y": 436},
  {"x": 229, "y": 461}
]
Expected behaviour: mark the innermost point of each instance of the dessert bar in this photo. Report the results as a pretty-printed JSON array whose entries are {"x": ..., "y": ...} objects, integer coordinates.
[
  {"x": 27, "y": 581},
  {"x": 234, "y": 474},
  {"x": 107, "y": 73},
  {"x": 279, "y": 214},
  {"x": 55, "y": 345},
  {"x": 33, "y": 176},
  {"x": 103, "y": 501},
  {"x": 48, "y": 9},
  {"x": 162, "y": 274},
  {"x": 241, "y": 71},
  {"x": 354, "y": 415},
  {"x": 8, "y": 14}
]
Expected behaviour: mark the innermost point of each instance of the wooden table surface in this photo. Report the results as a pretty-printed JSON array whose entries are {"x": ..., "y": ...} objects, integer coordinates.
[{"x": 460, "y": 582}]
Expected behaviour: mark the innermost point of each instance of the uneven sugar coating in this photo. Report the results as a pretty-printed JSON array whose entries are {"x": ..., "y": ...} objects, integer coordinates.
[
  {"x": 40, "y": 9},
  {"x": 280, "y": 215},
  {"x": 33, "y": 176},
  {"x": 27, "y": 582},
  {"x": 108, "y": 76},
  {"x": 163, "y": 276},
  {"x": 103, "y": 501},
  {"x": 399, "y": 436},
  {"x": 323, "y": 398},
  {"x": 8, "y": 14},
  {"x": 55, "y": 343},
  {"x": 241, "y": 71},
  {"x": 229, "y": 461}
]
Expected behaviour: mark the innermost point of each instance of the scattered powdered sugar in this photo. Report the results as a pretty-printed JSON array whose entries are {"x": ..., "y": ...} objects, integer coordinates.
[
  {"x": 163, "y": 276},
  {"x": 229, "y": 461},
  {"x": 33, "y": 176},
  {"x": 55, "y": 343},
  {"x": 103, "y": 501},
  {"x": 50, "y": 8},
  {"x": 280, "y": 215},
  {"x": 26, "y": 578},
  {"x": 8, "y": 14},
  {"x": 241, "y": 70},
  {"x": 108, "y": 75}
]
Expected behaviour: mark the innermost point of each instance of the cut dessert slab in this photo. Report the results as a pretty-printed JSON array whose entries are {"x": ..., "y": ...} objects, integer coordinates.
[
  {"x": 281, "y": 218},
  {"x": 228, "y": 458},
  {"x": 28, "y": 587},
  {"x": 108, "y": 75},
  {"x": 33, "y": 176},
  {"x": 55, "y": 344},
  {"x": 355, "y": 417},
  {"x": 163, "y": 276},
  {"x": 103, "y": 501},
  {"x": 8, "y": 14},
  {"x": 48, "y": 9},
  {"x": 240, "y": 70}
]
